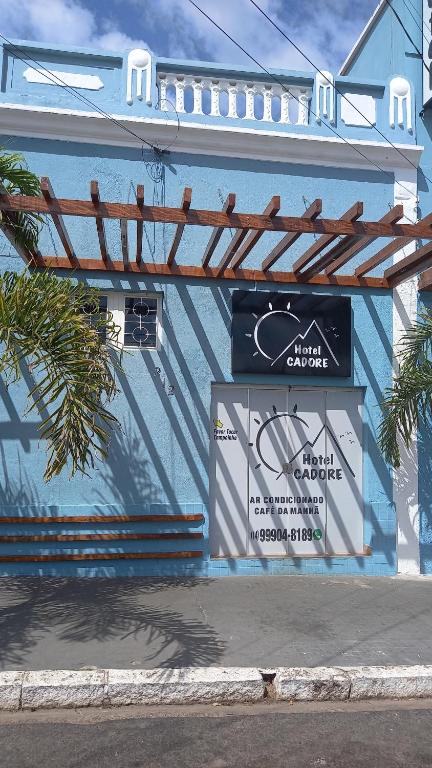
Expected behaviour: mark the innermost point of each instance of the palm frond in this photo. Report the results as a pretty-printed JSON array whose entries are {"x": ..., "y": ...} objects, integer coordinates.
[
  {"x": 42, "y": 324},
  {"x": 17, "y": 179},
  {"x": 409, "y": 400}
]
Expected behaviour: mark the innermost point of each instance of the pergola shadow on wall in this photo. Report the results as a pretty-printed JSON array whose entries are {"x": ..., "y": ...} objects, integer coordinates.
[
  {"x": 338, "y": 244},
  {"x": 338, "y": 241}
]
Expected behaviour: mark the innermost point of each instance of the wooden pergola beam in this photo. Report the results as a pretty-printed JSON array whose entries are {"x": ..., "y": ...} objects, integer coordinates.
[
  {"x": 311, "y": 213},
  {"x": 238, "y": 238},
  {"x": 186, "y": 202},
  {"x": 99, "y": 208},
  {"x": 205, "y": 218},
  {"x": 425, "y": 282},
  {"x": 382, "y": 255},
  {"x": 340, "y": 247},
  {"x": 233, "y": 246},
  {"x": 8, "y": 226},
  {"x": 140, "y": 223},
  {"x": 391, "y": 217},
  {"x": 150, "y": 268},
  {"x": 271, "y": 210},
  {"x": 349, "y": 217},
  {"x": 124, "y": 243},
  {"x": 50, "y": 198},
  {"x": 216, "y": 235},
  {"x": 411, "y": 265},
  {"x": 388, "y": 250}
]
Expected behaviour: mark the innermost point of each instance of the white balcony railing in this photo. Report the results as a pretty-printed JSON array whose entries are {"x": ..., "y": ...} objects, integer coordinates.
[{"x": 272, "y": 103}]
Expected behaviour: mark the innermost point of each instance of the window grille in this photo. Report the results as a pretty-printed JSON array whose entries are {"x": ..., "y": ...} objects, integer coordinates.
[{"x": 141, "y": 322}]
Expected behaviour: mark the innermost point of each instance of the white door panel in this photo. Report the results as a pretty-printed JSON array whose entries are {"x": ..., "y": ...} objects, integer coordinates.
[
  {"x": 344, "y": 488},
  {"x": 228, "y": 472},
  {"x": 285, "y": 472},
  {"x": 307, "y": 478},
  {"x": 268, "y": 447}
]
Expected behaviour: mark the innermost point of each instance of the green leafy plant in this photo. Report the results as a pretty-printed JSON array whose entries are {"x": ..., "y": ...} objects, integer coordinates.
[
  {"x": 42, "y": 326},
  {"x": 409, "y": 401},
  {"x": 15, "y": 178}
]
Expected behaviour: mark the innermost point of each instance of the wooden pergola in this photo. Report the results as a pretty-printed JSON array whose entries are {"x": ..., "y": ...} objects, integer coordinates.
[{"x": 339, "y": 241}]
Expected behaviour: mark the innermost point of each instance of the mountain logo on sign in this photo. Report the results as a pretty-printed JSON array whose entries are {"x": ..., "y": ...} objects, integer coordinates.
[
  {"x": 277, "y": 416},
  {"x": 316, "y": 355},
  {"x": 303, "y": 337}
]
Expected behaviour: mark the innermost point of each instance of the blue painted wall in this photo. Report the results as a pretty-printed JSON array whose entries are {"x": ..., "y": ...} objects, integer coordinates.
[
  {"x": 111, "y": 68},
  {"x": 387, "y": 51},
  {"x": 160, "y": 463}
]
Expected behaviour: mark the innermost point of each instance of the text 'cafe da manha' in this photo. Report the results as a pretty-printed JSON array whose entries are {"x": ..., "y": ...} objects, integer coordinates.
[{"x": 263, "y": 243}]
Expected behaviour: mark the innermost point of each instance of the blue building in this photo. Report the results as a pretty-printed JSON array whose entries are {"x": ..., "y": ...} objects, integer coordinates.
[{"x": 255, "y": 358}]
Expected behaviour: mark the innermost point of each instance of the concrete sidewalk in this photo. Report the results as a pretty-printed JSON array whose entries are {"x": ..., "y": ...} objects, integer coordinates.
[{"x": 241, "y": 621}]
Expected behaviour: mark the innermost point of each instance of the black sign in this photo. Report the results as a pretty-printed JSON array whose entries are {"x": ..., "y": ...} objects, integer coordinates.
[{"x": 291, "y": 333}]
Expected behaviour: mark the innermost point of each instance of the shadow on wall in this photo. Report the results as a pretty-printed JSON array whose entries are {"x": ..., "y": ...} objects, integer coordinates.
[
  {"x": 21, "y": 493},
  {"x": 425, "y": 497},
  {"x": 126, "y": 472},
  {"x": 78, "y": 613}
]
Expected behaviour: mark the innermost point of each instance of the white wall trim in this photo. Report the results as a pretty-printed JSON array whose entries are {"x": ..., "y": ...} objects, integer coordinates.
[
  {"x": 71, "y": 79},
  {"x": 202, "y": 138},
  {"x": 405, "y": 479}
]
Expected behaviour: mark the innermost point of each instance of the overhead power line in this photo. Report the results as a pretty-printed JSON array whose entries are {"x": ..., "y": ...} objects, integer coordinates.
[
  {"x": 407, "y": 34},
  {"x": 286, "y": 90},
  {"x": 71, "y": 90},
  {"x": 421, "y": 28},
  {"x": 331, "y": 83}
]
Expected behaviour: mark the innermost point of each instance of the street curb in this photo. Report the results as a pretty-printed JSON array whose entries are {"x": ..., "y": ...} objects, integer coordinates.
[
  {"x": 353, "y": 683},
  {"x": 50, "y": 689}
]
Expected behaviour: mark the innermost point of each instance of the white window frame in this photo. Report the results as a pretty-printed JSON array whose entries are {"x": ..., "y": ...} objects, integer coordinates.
[{"x": 116, "y": 306}]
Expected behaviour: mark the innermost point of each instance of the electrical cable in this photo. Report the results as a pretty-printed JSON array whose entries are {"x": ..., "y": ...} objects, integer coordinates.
[
  {"x": 71, "y": 90},
  {"x": 58, "y": 81},
  {"x": 416, "y": 22},
  {"x": 332, "y": 84},
  {"x": 417, "y": 12},
  {"x": 408, "y": 35},
  {"x": 286, "y": 90}
]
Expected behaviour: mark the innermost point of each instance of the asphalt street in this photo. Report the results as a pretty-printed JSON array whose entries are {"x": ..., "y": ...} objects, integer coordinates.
[
  {"x": 312, "y": 736},
  {"x": 262, "y": 621}
]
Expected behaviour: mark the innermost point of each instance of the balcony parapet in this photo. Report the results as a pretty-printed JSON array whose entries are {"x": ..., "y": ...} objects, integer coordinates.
[
  {"x": 142, "y": 88},
  {"x": 234, "y": 98}
]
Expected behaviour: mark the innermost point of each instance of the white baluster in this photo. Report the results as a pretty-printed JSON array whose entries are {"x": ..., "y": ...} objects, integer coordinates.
[
  {"x": 180, "y": 89},
  {"x": 232, "y": 100},
  {"x": 163, "y": 92},
  {"x": 268, "y": 98},
  {"x": 197, "y": 87},
  {"x": 303, "y": 108},
  {"x": 250, "y": 101},
  {"x": 285, "y": 102},
  {"x": 214, "y": 98},
  {"x": 302, "y": 95}
]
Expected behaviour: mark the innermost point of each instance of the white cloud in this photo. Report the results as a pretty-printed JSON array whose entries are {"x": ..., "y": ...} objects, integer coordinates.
[
  {"x": 325, "y": 31},
  {"x": 64, "y": 22}
]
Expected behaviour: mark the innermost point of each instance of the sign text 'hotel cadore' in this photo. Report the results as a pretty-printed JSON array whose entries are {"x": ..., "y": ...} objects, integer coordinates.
[{"x": 291, "y": 333}]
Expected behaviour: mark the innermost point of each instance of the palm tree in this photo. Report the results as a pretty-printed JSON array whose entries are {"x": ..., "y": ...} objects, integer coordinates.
[
  {"x": 44, "y": 328},
  {"x": 409, "y": 401},
  {"x": 15, "y": 178}
]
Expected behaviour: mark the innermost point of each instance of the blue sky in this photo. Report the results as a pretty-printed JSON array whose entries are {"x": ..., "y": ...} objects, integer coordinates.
[{"x": 325, "y": 30}]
